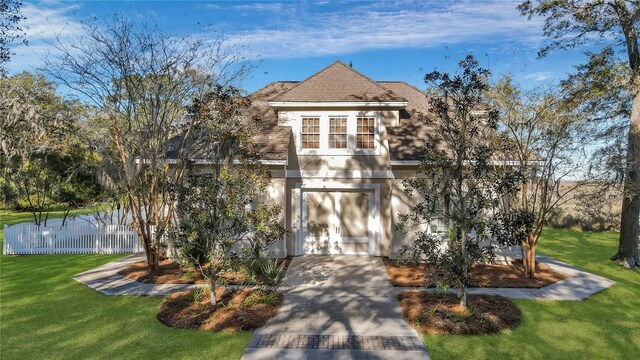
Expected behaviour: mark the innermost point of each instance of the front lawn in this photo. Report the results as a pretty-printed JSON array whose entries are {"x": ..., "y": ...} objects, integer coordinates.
[
  {"x": 606, "y": 326},
  {"x": 45, "y": 314}
]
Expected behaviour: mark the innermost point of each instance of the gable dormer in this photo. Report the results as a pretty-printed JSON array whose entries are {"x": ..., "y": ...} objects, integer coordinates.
[{"x": 338, "y": 111}]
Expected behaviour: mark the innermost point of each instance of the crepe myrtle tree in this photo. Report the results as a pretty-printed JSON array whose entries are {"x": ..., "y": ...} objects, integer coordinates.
[
  {"x": 458, "y": 180},
  {"x": 212, "y": 204},
  {"x": 140, "y": 78},
  {"x": 549, "y": 137}
]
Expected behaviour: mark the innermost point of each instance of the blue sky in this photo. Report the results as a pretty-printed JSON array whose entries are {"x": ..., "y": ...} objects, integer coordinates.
[{"x": 399, "y": 40}]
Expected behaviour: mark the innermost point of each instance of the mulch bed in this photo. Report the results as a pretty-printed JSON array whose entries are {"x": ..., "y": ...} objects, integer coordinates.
[
  {"x": 244, "y": 309},
  {"x": 441, "y": 313},
  {"x": 172, "y": 273},
  {"x": 489, "y": 276}
]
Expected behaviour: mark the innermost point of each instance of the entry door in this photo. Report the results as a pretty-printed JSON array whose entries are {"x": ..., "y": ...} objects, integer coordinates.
[{"x": 336, "y": 220}]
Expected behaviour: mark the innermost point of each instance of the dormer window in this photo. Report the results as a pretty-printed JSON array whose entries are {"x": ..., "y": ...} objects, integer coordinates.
[
  {"x": 338, "y": 133},
  {"x": 310, "y": 133},
  {"x": 365, "y": 137}
]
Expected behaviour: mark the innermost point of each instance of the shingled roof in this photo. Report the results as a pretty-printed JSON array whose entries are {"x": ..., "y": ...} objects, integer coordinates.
[
  {"x": 406, "y": 141},
  {"x": 271, "y": 142},
  {"x": 338, "y": 83}
]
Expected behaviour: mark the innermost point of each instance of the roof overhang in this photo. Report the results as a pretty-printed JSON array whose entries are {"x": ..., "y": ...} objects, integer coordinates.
[{"x": 333, "y": 104}]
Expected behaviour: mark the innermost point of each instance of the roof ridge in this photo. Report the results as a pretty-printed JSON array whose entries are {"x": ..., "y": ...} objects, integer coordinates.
[
  {"x": 347, "y": 67},
  {"x": 309, "y": 77},
  {"x": 371, "y": 80}
]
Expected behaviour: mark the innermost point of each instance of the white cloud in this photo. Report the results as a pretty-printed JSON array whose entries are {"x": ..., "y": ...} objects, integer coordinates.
[
  {"x": 44, "y": 24},
  {"x": 540, "y": 76},
  {"x": 296, "y": 31},
  {"x": 259, "y": 7},
  {"x": 423, "y": 25}
]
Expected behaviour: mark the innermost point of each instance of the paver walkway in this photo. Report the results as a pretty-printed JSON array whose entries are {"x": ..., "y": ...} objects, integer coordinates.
[
  {"x": 337, "y": 307},
  {"x": 578, "y": 285},
  {"x": 106, "y": 280},
  {"x": 341, "y": 307}
]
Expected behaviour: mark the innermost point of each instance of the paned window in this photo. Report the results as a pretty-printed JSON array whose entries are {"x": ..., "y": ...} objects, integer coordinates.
[
  {"x": 365, "y": 135},
  {"x": 310, "y": 132},
  {"x": 337, "y": 133}
]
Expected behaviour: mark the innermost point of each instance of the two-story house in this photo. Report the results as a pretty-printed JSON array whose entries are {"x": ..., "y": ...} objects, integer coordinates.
[{"x": 338, "y": 145}]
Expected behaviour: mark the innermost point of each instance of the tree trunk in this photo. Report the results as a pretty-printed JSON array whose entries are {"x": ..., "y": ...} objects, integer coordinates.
[
  {"x": 156, "y": 263},
  {"x": 629, "y": 226},
  {"x": 523, "y": 256},
  {"x": 628, "y": 241},
  {"x": 212, "y": 284},
  {"x": 462, "y": 291},
  {"x": 531, "y": 254}
]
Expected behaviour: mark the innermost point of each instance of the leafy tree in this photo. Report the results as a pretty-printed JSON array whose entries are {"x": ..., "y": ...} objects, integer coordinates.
[
  {"x": 43, "y": 157},
  {"x": 613, "y": 24},
  {"x": 140, "y": 78},
  {"x": 459, "y": 180},
  {"x": 212, "y": 202},
  {"x": 266, "y": 230},
  {"x": 10, "y": 18},
  {"x": 548, "y": 138}
]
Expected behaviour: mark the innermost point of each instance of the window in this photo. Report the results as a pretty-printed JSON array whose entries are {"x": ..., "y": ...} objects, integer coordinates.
[
  {"x": 365, "y": 136},
  {"x": 337, "y": 133},
  {"x": 310, "y": 132}
]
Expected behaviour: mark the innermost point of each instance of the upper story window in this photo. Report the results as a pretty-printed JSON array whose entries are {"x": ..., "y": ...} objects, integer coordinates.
[
  {"x": 330, "y": 132},
  {"x": 310, "y": 133},
  {"x": 338, "y": 135},
  {"x": 365, "y": 136}
]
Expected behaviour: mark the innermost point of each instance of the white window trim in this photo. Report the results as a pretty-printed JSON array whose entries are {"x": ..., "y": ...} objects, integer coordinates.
[{"x": 324, "y": 133}]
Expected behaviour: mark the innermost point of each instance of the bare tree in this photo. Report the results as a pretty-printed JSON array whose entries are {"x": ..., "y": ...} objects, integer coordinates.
[
  {"x": 614, "y": 23},
  {"x": 549, "y": 140},
  {"x": 141, "y": 78}
]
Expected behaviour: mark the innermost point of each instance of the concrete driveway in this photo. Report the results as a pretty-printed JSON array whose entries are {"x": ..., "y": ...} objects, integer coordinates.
[{"x": 337, "y": 307}]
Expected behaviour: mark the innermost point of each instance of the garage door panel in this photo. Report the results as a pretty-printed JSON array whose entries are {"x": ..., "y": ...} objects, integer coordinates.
[
  {"x": 354, "y": 214},
  {"x": 320, "y": 214}
]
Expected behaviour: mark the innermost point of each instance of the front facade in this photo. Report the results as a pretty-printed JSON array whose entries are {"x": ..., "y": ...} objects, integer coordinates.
[{"x": 338, "y": 145}]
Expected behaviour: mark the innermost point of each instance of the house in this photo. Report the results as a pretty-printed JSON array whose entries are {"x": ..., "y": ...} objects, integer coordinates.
[{"x": 338, "y": 145}]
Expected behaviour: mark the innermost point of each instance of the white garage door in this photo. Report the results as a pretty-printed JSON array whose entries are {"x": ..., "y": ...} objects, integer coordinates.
[{"x": 338, "y": 222}]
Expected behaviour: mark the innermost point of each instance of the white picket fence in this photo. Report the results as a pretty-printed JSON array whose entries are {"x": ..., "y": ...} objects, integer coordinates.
[{"x": 70, "y": 239}]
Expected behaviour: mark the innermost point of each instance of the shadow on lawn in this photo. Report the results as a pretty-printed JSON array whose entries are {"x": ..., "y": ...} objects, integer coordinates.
[
  {"x": 603, "y": 326},
  {"x": 46, "y": 314}
]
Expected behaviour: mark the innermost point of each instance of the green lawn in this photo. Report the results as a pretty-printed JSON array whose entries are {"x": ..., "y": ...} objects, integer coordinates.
[
  {"x": 605, "y": 326},
  {"x": 44, "y": 313}
]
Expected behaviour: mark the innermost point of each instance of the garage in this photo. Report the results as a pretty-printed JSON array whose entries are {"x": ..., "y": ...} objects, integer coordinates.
[{"x": 339, "y": 221}]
